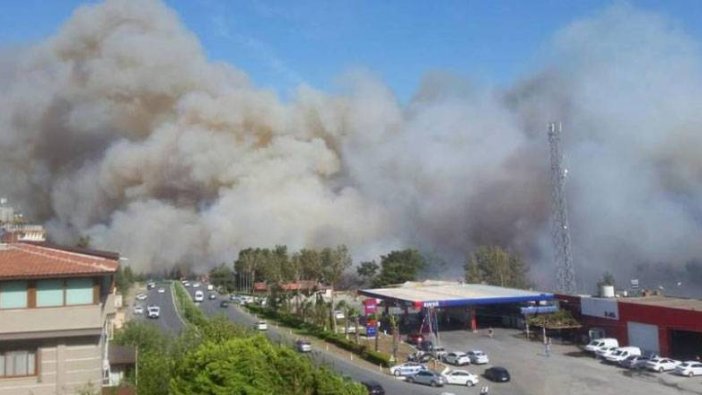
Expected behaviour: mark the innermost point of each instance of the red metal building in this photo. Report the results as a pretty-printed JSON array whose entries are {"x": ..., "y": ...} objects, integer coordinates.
[{"x": 665, "y": 325}]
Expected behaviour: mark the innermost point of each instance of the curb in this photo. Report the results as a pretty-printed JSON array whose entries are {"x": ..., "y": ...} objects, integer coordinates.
[{"x": 175, "y": 305}]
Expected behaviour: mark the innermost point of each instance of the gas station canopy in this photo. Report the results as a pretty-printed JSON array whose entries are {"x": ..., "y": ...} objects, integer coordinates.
[{"x": 453, "y": 294}]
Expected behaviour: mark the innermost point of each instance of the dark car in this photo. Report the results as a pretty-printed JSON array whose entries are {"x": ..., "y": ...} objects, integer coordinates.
[
  {"x": 497, "y": 374},
  {"x": 212, "y": 296},
  {"x": 426, "y": 345},
  {"x": 420, "y": 356},
  {"x": 224, "y": 303},
  {"x": 374, "y": 388}
]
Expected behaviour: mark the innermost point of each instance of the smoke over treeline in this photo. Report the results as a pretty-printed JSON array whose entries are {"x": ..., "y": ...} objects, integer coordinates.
[{"x": 119, "y": 128}]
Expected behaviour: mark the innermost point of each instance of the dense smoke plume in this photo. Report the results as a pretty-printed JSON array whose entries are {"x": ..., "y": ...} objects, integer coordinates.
[{"x": 119, "y": 128}]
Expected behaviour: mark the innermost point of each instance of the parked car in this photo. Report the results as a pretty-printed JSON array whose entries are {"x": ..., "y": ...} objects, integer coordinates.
[
  {"x": 407, "y": 369},
  {"x": 374, "y": 388},
  {"x": 415, "y": 338},
  {"x": 457, "y": 358},
  {"x": 596, "y": 344},
  {"x": 303, "y": 346},
  {"x": 622, "y": 353},
  {"x": 141, "y": 297},
  {"x": 689, "y": 368},
  {"x": 497, "y": 374},
  {"x": 420, "y": 356},
  {"x": 439, "y": 352},
  {"x": 604, "y": 352},
  {"x": 425, "y": 345},
  {"x": 478, "y": 357},
  {"x": 634, "y": 362},
  {"x": 153, "y": 311},
  {"x": 427, "y": 377},
  {"x": 161, "y": 290},
  {"x": 212, "y": 296},
  {"x": 460, "y": 377},
  {"x": 339, "y": 315},
  {"x": 662, "y": 364},
  {"x": 224, "y": 303},
  {"x": 261, "y": 326},
  {"x": 138, "y": 309}
]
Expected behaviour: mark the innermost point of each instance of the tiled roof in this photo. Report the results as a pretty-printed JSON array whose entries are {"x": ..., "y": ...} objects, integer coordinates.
[{"x": 23, "y": 261}]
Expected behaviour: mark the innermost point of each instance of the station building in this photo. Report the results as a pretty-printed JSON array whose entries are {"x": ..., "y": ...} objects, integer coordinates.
[{"x": 668, "y": 326}]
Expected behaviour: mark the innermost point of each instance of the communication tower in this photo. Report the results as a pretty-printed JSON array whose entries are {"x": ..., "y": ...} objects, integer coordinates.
[{"x": 563, "y": 256}]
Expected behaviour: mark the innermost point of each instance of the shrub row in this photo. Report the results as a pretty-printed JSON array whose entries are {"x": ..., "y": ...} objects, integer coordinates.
[
  {"x": 187, "y": 307},
  {"x": 338, "y": 340}
]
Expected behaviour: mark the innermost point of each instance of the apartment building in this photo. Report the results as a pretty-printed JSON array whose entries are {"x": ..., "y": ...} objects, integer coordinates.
[{"x": 56, "y": 307}]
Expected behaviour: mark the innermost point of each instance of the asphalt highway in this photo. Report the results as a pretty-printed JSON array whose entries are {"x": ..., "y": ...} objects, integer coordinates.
[{"x": 169, "y": 320}]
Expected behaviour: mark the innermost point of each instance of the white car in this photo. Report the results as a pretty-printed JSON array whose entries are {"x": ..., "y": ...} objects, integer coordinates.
[
  {"x": 138, "y": 309},
  {"x": 457, "y": 358},
  {"x": 438, "y": 352},
  {"x": 478, "y": 357},
  {"x": 161, "y": 290},
  {"x": 141, "y": 297},
  {"x": 689, "y": 368},
  {"x": 407, "y": 369},
  {"x": 460, "y": 377},
  {"x": 662, "y": 364},
  {"x": 604, "y": 352},
  {"x": 196, "y": 285},
  {"x": 261, "y": 326},
  {"x": 153, "y": 311}
]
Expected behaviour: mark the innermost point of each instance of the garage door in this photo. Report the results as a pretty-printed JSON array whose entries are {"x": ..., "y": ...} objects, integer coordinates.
[{"x": 644, "y": 336}]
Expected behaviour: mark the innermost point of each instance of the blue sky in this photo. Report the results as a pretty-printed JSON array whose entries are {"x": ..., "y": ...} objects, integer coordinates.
[{"x": 281, "y": 44}]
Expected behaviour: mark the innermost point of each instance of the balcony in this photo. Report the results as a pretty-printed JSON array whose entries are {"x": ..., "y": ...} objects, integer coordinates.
[{"x": 24, "y": 323}]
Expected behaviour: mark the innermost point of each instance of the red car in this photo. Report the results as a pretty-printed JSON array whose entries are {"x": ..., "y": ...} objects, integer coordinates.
[{"x": 415, "y": 338}]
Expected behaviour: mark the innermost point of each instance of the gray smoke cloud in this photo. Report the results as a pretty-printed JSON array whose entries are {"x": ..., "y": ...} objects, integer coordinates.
[{"x": 118, "y": 127}]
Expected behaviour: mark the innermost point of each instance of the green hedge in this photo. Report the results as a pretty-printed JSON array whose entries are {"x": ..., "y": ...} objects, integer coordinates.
[
  {"x": 337, "y": 339},
  {"x": 187, "y": 307}
]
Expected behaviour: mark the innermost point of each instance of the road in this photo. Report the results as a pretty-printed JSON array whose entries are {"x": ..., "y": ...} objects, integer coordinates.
[
  {"x": 169, "y": 320},
  {"x": 340, "y": 364}
]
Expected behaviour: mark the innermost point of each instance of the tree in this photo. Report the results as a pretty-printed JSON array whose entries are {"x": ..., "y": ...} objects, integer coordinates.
[
  {"x": 399, "y": 266},
  {"x": 223, "y": 277},
  {"x": 607, "y": 279},
  {"x": 334, "y": 263},
  {"x": 83, "y": 242},
  {"x": 368, "y": 270},
  {"x": 495, "y": 266},
  {"x": 124, "y": 279},
  {"x": 310, "y": 262}
]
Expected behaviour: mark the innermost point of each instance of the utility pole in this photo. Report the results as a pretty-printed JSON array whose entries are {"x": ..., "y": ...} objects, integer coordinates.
[{"x": 563, "y": 256}]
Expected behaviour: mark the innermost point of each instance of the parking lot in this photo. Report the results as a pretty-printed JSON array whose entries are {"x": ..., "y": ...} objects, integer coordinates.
[{"x": 566, "y": 371}]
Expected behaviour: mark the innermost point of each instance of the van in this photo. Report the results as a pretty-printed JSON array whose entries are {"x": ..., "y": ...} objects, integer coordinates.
[
  {"x": 604, "y": 342},
  {"x": 623, "y": 353},
  {"x": 199, "y": 296}
]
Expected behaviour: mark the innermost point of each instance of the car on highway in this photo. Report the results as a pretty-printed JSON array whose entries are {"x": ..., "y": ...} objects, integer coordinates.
[
  {"x": 407, "y": 369},
  {"x": 141, "y": 296},
  {"x": 689, "y": 368},
  {"x": 497, "y": 374},
  {"x": 457, "y": 358},
  {"x": 199, "y": 296},
  {"x": 303, "y": 346},
  {"x": 460, "y": 377},
  {"x": 224, "y": 303},
  {"x": 138, "y": 309},
  {"x": 153, "y": 311},
  {"x": 634, "y": 362},
  {"x": 373, "y": 387},
  {"x": 427, "y": 377},
  {"x": 150, "y": 285},
  {"x": 661, "y": 364},
  {"x": 261, "y": 326},
  {"x": 212, "y": 296},
  {"x": 161, "y": 290},
  {"x": 196, "y": 285},
  {"x": 478, "y": 357}
]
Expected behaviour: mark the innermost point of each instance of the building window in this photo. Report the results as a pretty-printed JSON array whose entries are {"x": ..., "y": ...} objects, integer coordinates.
[
  {"x": 13, "y": 295},
  {"x": 18, "y": 363},
  {"x": 49, "y": 293},
  {"x": 79, "y": 291}
]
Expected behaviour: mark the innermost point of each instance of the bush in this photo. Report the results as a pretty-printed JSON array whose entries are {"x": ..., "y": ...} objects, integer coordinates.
[{"x": 377, "y": 358}]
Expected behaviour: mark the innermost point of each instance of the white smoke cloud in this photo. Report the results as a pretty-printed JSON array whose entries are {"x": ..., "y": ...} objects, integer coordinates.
[{"x": 118, "y": 127}]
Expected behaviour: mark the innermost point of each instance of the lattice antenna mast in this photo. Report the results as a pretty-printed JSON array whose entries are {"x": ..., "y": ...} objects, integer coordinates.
[{"x": 563, "y": 257}]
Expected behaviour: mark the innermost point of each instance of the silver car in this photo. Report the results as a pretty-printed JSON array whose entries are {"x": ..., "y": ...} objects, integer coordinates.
[{"x": 427, "y": 377}]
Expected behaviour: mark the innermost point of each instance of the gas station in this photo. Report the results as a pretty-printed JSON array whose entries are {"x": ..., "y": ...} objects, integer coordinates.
[{"x": 435, "y": 302}]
